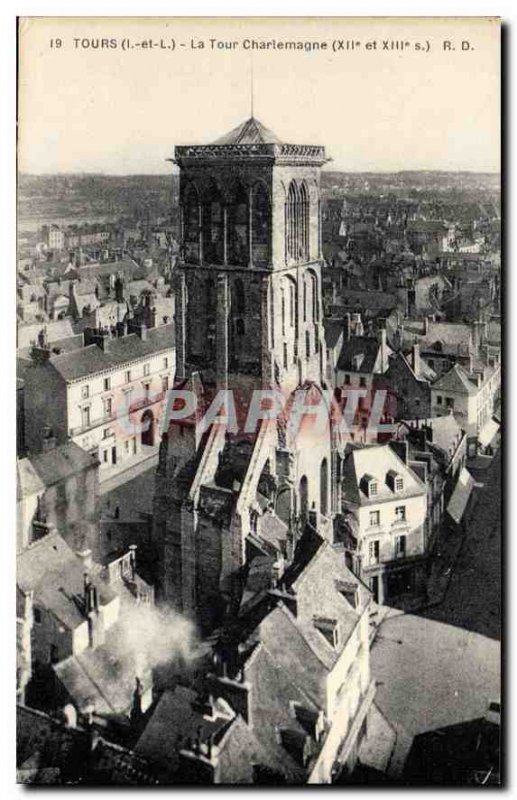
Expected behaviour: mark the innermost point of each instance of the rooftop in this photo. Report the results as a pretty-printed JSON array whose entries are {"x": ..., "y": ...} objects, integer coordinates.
[
  {"x": 92, "y": 359},
  {"x": 55, "y": 574},
  {"x": 456, "y": 380},
  {"x": 251, "y": 131},
  {"x": 55, "y": 465},
  {"x": 375, "y": 462},
  {"x": 351, "y": 352}
]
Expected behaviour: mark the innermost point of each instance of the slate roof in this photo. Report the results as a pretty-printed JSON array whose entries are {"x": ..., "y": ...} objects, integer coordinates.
[
  {"x": 369, "y": 298},
  {"x": 179, "y": 717},
  {"x": 333, "y": 330},
  {"x": 178, "y": 714},
  {"x": 274, "y": 700},
  {"x": 376, "y": 461},
  {"x": 104, "y": 676},
  {"x": 58, "y": 464},
  {"x": 47, "y": 752},
  {"x": 456, "y": 380},
  {"x": 445, "y": 431},
  {"x": 92, "y": 359},
  {"x": 251, "y": 131},
  {"x": 426, "y": 226},
  {"x": 55, "y": 574},
  {"x": 55, "y": 330},
  {"x": 367, "y": 346},
  {"x": 449, "y": 332},
  {"x": 126, "y": 266}
]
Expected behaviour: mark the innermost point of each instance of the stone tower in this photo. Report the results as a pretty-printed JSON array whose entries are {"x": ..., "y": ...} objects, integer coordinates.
[{"x": 248, "y": 291}]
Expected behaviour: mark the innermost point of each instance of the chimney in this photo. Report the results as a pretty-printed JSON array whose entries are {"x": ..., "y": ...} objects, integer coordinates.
[
  {"x": 400, "y": 447},
  {"x": 347, "y": 332},
  {"x": 49, "y": 440},
  {"x": 141, "y": 331},
  {"x": 236, "y": 691},
  {"x": 132, "y": 560},
  {"x": 426, "y": 326},
  {"x": 118, "y": 285},
  {"x": 381, "y": 335},
  {"x": 87, "y": 560},
  {"x": 415, "y": 358},
  {"x": 40, "y": 355}
]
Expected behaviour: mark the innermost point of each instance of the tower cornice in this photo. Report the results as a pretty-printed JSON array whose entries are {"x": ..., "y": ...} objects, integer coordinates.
[{"x": 281, "y": 153}]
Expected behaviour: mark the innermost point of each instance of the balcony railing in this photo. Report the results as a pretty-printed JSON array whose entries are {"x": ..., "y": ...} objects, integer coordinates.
[
  {"x": 149, "y": 400},
  {"x": 92, "y": 423}
]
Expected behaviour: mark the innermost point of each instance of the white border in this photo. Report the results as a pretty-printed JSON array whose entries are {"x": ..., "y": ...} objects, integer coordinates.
[{"x": 504, "y": 8}]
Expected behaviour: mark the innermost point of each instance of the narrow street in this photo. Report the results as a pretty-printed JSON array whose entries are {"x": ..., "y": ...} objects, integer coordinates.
[{"x": 473, "y": 597}]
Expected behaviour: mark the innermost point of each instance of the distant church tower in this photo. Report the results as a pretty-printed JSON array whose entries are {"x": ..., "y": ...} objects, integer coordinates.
[{"x": 248, "y": 292}]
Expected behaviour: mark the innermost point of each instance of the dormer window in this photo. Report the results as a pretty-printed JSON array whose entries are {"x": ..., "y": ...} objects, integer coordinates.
[
  {"x": 328, "y": 628},
  {"x": 350, "y": 592},
  {"x": 357, "y": 360},
  {"x": 369, "y": 485},
  {"x": 395, "y": 481}
]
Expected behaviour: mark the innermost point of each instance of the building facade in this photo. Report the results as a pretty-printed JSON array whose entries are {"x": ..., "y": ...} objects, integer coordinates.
[
  {"x": 108, "y": 397},
  {"x": 386, "y": 503}
]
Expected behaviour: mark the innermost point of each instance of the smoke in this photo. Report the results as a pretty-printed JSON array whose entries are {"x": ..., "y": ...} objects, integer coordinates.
[{"x": 153, "y": 637}]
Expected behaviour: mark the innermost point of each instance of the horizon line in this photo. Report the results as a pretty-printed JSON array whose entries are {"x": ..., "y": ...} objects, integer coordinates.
[{"x": 344, "y": 171}]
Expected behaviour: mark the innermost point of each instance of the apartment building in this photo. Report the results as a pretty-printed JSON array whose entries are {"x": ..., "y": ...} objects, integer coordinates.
[
  {"x": 107, "y": 397},
  {"x": 473, "y": 398},
  {"x": 387, "y": 502}
]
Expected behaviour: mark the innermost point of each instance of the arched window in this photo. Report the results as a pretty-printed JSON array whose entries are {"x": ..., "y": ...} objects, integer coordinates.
[
  {"x": 282, "y": 306},
  {"x": 314, "y": 297},
  {"x": 213, "y": 226},
  {"x": 292, "y": 304},
  {"x": 190, "y": 210},
  {"x": 292, "y": 221},
  {"x": 307, "y": 344},
  {"x": 297, "y": 223},
  {"x": 238, "y": 227},
  {"x": 304, "y": 300},
  {"x": 303, "y": 224},
  {"x": 324, "y": 478},
  {"x": 260, "y": 224}
]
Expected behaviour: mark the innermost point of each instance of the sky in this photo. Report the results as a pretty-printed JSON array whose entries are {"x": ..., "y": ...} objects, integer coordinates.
[{"x": 119, "y": 110}]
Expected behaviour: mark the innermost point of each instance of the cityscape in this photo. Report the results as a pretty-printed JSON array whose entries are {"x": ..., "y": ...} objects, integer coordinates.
[{"x": 259, "y": 472}]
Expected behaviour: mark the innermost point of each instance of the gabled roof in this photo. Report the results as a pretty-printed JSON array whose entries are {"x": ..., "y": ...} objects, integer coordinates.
[
  {"x": 455, "y": 380},
  {"x": 366, "y": 346},
  {"x": 251, "y": 131},
  {"x": 55, "y": 574}
]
